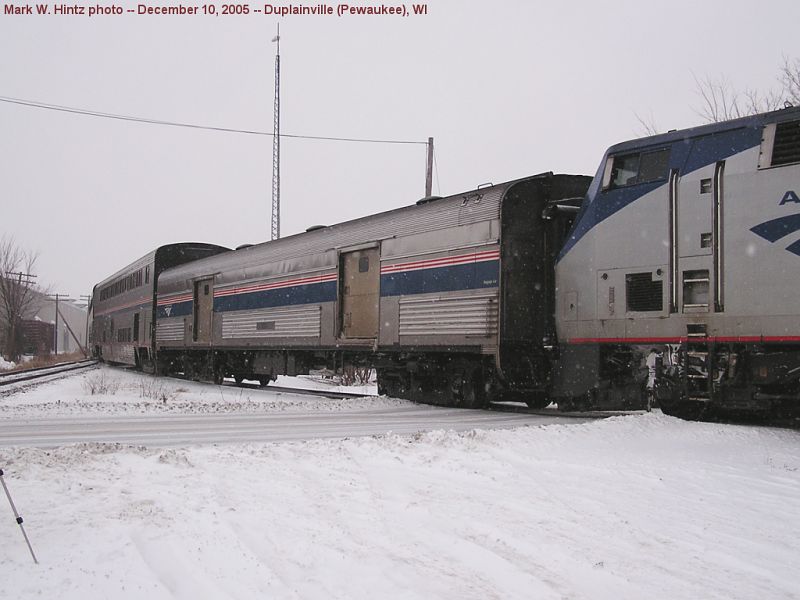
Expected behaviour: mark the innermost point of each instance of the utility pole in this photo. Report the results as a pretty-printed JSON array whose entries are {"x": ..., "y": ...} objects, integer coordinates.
[
  {"x": 57, "y": 297},
  {"x": 429, "y": 170},
  {"x": 275, "y": 230},
  {"x": 28, "y": 277}
]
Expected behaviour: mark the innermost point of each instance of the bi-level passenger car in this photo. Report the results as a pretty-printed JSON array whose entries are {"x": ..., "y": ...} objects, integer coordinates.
[{"x": 123, "y": 305}]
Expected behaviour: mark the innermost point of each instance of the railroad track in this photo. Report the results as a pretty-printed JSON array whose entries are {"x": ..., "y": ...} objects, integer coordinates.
[
  {"x": 508, "y": 407},
  {"x": 511, "y": 407},
  {"x": 518, "y": 407},
  {"x": 781, "y": 423},
  {"x": 41, "y": 372},
  {"x": 302, "y": 391},
  {"x": 32, "y": 374}
]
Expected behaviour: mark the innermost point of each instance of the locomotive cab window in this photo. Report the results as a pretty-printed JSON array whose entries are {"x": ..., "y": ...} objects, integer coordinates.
[{"x": 623, "y": 170}]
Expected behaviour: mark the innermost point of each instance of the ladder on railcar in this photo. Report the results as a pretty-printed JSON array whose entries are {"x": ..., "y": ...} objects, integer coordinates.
[{"x": 698, "y": 365}]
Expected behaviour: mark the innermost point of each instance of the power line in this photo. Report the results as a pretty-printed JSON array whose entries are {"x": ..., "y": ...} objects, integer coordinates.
[{"x": 135, "y": 119}]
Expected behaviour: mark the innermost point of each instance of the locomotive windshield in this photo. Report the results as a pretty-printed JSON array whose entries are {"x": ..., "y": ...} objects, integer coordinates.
[{"x": 637, "y": 167}]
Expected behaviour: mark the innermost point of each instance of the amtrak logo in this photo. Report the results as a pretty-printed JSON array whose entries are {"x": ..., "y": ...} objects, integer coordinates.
[
  {"x": 168, "y": 310},
  {"x": 779, "y": 228}
]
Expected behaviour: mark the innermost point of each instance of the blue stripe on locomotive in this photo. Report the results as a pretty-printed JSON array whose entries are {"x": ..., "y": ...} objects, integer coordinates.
[
  {"x": 424, "y": 281},
  {"x": 687, "y": 154}
]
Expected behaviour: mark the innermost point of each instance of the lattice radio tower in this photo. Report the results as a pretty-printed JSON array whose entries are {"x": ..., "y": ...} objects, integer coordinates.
[{"x": 276, "y": 144}]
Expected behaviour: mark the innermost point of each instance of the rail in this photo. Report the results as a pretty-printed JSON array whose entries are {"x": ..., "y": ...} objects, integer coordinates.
[
  {"x": 7, "y": 378},
  {"x": 303, "y": 391},
  {"x": 507, "y": 407}
]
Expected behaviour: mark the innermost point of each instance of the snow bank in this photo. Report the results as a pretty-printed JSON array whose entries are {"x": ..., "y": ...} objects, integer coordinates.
[
  {"x": 5, "y": 365},
  {"x": 625, "y": 508}
]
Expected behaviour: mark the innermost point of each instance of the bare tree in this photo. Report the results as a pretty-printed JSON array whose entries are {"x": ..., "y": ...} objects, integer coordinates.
[
  {"x": 18, "y": 297},
  {"x": 647, "y": 124},
  {"x": 721, "y": 101},
  {"x": 790, "y": 79}
]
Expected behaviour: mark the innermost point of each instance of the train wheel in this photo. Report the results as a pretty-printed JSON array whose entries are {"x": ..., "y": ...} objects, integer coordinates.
[
  {"x": 382, "y": 391},
  {"x": 690, "y": 410},
  {"x": 537, "y": 400},
  {"x": 264, "y": 381},
  {"x": 573, "y": 404},
  {"x": 393, "y": 384},
  {"x": 467, "y": 387}
]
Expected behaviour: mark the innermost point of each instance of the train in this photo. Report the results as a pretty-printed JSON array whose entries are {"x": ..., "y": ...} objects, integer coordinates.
[{"x": 666, "y": 278}]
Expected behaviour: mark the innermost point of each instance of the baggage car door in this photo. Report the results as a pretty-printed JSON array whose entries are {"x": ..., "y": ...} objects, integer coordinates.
[
  {"x": 359, "y": 293},
  {"x": 203, "y": 310}
]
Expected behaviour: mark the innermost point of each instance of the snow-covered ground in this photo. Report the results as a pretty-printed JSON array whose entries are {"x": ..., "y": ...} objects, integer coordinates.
[
  {"x": 624, "y": 508},
  {"x": 108, "y": 390}
]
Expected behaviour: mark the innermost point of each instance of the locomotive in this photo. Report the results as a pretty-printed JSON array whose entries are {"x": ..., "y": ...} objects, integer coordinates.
[
  {"x": 686, "y": 251},
  {"x": 666, "y": 276}
]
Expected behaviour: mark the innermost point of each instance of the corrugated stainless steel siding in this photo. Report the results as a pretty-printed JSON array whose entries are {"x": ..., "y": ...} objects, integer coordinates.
[
  {"x": 121, "y": 353},
  {"x": 450, "y": 315},
  {"x": 301, "y": 321},
  {"x": 169, "y": 330}
]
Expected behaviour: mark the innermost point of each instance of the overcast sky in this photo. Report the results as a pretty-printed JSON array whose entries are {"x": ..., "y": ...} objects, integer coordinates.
[{"x": 506, "y": 88}]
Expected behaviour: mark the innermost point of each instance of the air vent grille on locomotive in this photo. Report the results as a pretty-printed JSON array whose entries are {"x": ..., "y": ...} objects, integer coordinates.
[
  {"x": 786, "y": 149},
  {"x": 642, "y": 293}
]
